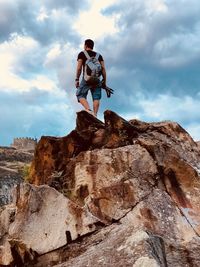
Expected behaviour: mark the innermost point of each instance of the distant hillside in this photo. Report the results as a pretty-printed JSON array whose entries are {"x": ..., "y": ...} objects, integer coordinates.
[{"x": 12, "y": 162}]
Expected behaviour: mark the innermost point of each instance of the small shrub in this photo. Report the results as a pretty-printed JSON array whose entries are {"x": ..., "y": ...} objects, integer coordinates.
[{"x": 26, "y": 172}]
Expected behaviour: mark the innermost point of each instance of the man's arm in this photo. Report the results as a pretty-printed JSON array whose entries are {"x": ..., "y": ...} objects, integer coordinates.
[
  {"x": 78, "y": 72},
  {"x": 103, "y": 71}
]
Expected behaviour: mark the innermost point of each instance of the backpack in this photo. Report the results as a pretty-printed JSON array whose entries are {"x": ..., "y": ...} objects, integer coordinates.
[{"x": 93, "y": 69}]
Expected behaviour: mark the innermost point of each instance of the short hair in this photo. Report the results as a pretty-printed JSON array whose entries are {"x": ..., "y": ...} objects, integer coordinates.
[{"x": 89, "y": 43}]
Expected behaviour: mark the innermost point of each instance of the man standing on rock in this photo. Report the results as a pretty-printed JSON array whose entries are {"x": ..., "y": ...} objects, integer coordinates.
[{"x": 93, "y": 67}]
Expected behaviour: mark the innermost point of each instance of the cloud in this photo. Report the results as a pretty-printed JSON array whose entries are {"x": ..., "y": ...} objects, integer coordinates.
[
  {"x": 93, "y": 23},
  {"x": 156, "y": 33},
  {"x": 17, "y": 54},
  {"x": 165, "y": 107},
  {"x": 8, "y": 13},
  {"x": 35, "y": 113},
  {"x": 155, "y": 51},
  {"x": 44, "y": 21},
  {"x": 30, "y": 99},
  {"x": 70, "y": 5}
]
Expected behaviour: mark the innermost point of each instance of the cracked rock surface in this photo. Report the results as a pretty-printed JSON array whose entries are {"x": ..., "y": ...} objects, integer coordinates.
[{"x": 119, "y": 193}]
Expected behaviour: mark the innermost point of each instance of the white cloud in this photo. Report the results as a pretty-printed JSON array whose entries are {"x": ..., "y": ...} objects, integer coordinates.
[
  {"x": 171, "y": 107},
  {"x": 61, "y": 59},
  {"x": 14, "y": 49},
  {"x": 53, "y": 54},
  {"x": 42, "y": 14},
  {"x": 93, "y": 24},
  {"x": 12, "y": 52},
  {"x": 157, "y": 6},
  {"x": 43, "y": 83},
  {"x": 12, "y": 82},
  {"x": 178, "y": 49}
]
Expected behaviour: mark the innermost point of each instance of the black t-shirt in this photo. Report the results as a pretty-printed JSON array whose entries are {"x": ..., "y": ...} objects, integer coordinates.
[{"x": 91, "y": 53}]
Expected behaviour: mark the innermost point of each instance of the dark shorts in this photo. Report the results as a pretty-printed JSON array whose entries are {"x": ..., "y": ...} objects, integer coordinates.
[{"x": 83, "y": 89}]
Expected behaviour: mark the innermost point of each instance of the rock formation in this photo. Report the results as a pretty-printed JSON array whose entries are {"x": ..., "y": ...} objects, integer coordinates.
[
  {"x": 119, "y": 193},
  {"x": 12, "y": 164}
]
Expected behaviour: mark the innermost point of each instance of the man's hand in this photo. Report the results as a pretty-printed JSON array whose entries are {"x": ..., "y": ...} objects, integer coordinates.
[{"x": 108, "y": 90}]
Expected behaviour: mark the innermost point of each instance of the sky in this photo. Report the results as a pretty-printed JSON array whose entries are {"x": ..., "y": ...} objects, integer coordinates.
[{"x": 151, "y": 50}]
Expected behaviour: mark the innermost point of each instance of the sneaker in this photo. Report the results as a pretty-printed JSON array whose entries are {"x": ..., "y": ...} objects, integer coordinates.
[{"x": 90, "y": 112}]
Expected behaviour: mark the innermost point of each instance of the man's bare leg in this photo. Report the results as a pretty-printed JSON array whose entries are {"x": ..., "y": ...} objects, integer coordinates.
[
  {"x": 84, "y": 103},
  {"x": 96, "y": 106}
]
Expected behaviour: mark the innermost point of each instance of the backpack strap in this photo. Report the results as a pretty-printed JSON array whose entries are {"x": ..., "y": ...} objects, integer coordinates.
[
  {"x": 97, "y": 56},
  {"x": 86, "y": 54}
]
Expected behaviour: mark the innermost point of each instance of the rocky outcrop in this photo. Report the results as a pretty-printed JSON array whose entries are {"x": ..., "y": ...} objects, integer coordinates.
[
  {"x": 53, "y": 154},
  {"x": 125, "y": 193},
  {"x": 12, "y": 163}
]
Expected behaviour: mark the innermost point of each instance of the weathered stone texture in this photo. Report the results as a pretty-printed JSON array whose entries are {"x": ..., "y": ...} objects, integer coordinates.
[
  {"x": 60, "y": 220},
  {"x": 124, "y": 194}
]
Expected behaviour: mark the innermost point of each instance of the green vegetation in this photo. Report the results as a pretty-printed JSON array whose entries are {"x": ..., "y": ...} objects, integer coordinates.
[{"x": 26, "y": 172}]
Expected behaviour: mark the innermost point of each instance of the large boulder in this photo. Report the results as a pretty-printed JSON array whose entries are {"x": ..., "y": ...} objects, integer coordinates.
[
  {"x": 125, "y": 193},
  {"x": 46, "y": 220}
]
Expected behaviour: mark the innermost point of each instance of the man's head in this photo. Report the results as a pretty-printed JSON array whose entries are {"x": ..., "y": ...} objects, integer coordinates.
[{"x": 89, "y": 43}]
